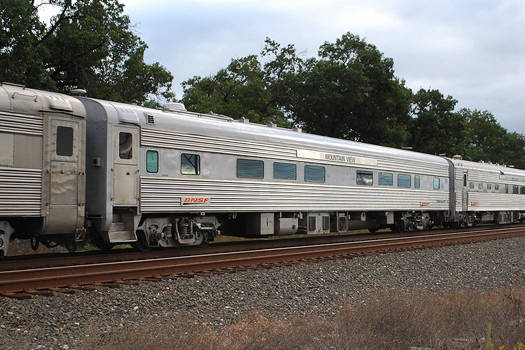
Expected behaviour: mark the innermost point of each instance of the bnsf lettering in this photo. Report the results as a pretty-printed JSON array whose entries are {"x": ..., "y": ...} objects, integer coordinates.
[{"x": 194, "y": 200}]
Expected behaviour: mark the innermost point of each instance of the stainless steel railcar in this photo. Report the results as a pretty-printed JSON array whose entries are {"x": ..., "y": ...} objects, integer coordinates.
[{"x": 163, "y": 178}]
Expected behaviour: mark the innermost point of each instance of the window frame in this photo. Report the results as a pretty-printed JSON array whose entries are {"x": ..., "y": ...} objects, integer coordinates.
[
  {"x": 309, "y": 166},
  {"x": 417, "y": 181},
  {"x": 385, "y": 176},
  {"x": 438, "y": 187},
  {"x": 285, "y": 178},
  {"x": 367, "y": 173},
  {"x": 69, "y": 137},
  {"x": 197, "y": 169},
  {"x": 150, "y": 151},
  {"x": 252, "y": 161},
  {"x": 409, "y": 180}
]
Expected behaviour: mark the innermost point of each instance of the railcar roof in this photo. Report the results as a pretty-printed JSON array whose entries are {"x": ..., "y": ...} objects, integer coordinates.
[
  {"x": 196, "y": 123},
  {"x": 19, "y": 99},
  {"x": 490, "y": 167}
]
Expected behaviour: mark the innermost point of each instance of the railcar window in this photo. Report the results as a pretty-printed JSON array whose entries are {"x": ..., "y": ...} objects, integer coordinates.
[
  {"x": 250, "y": 168},
  {"x": 522, "y": 189},
  {"x": 365, "y": 178},
  {"x": 496, "y": 187},
  {"x": 507, "y": 188},
  {"x": 417, "y": 181},
  {"x": 314, "y": 173},
  {"x": 190, "y": 164},
  {"x": 480, "y": 186},
  {"x": 284, "y": 171},
  {"x": 515, "y": 189},
  {"x": 437, "y": 183},
  {"x": 489, "y": 186},
  {"x": 386, "y": 179},
  {"x": 471, "y": 185},
  {"x": 125, "y": 145},
  {"x": 64, "y": 141},
  {"x": 152, "y": 161},
  {"x": 404, "y": 180}
]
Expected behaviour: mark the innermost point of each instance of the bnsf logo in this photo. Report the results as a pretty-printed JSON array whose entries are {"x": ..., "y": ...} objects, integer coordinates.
[{"x": 195, "y": 200}]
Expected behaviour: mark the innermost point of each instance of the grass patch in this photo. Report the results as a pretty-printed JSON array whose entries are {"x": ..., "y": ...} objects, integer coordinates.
[{"x": 386, "y": 320}]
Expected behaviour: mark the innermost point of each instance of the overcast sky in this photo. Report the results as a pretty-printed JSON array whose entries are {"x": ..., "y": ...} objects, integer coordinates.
[{"x": 471, "y": 50}]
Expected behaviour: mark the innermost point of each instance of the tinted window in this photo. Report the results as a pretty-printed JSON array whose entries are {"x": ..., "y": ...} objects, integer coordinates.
[
  {"x": 471, "y": 185},
  {"x": 365, "y": 178},
  {"x": 496, "y": 187},
  {"x": 64, "y": 141},
  {"x": 417, "y": 182},
  {"x": 386, "y": 179},
  {"x": 250, "y": 168},
  {"x": 404, "y": 180},
  {"x": 507, "y": 188},
  {"x": 285, "y": 171},
  {"x": 522, "y": 190},
  {"x": 190, "y": 164},
  {"x": 489, "y": 186},
  {"x": 125, "y": 145},
  {"x": 152, "y": 161},
  {"x": 314, "y": 173},
  {"x": 480, "y": 186},
  {"x": 515, "y": 189},
  {"x": 437, "y": 183}
]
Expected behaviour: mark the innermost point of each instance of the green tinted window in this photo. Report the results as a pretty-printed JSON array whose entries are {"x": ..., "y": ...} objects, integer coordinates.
[
  {"x": 386, "y": 179},
  {"x": 404, "y": 180},
  {"x": 314, "y": 173},
  {"x": 437, "y": 183},
  {"x": 284, "y": 171},
  {"x": 417, "y": 181},
  {"x": 152, "y": 161},
  {"x": 250, "y": 168}
]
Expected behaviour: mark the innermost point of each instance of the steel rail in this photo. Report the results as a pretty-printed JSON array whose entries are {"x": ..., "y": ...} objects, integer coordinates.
[{"x": 31, "y": 280}]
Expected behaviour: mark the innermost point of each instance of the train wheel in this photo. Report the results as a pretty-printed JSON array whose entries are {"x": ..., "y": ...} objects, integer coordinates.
[
  {"x": 35, "y": 243},
  {"x": 141, "y": 244},
  {"x": 70, "y": 243}
]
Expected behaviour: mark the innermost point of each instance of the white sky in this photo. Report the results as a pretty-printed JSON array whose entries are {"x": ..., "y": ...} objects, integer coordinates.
[{"x": 471, "y": 50}]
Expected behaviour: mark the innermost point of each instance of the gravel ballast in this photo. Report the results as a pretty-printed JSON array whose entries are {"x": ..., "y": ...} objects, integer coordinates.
[{"x": 313, "y": 288}]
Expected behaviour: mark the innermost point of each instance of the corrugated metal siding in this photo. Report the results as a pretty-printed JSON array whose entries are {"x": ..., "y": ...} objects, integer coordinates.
[
  {"x": 163, "y": 194},
  {"x": 238, "y": 147},
  {"x": 21, "y": 123},
  {"x": 20, "y": 191},
  {"x": 486, "y": 201}
]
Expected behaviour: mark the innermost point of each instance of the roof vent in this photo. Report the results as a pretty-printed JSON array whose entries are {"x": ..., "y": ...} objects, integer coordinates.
[
  {"x": 457, "y": 156},
  {"x": 150, "y": 119},
  {"x": 78, "y": 92},
  {"x": 174, "y": 107},
  {"x": 244, "y": 120}
]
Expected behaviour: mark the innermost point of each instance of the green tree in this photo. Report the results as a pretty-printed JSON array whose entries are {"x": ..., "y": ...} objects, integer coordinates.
[
  {"x": 236, "y": 91},
  {"x": 87, "y": 44},
  {"x": 349, "y": 92},
  {"x": 485, "y": 136},
  {"x": 435, "y": 128}
]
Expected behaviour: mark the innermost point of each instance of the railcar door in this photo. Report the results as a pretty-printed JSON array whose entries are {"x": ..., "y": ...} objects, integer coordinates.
[
  {"x": 125, "y": 171},
  {"x": 464, "y": 196},
  {"x": 64, "y": 170}
]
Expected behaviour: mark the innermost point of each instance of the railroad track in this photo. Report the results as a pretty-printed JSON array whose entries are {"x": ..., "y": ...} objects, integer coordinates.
[{"x": 46, "y": 280}]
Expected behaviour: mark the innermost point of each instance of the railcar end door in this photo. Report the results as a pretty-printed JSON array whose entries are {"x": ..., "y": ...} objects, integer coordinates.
[
  {"x": 64, "y": 164},
  {"x": 125, "y": 170}
]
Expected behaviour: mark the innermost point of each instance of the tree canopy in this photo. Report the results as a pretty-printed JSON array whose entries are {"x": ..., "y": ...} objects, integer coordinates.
[
  {"x": 350, "y": 91},
  {"x": 88, "y": 44}
]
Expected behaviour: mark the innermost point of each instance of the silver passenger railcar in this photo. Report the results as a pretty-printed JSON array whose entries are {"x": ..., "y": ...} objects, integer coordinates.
[
  {"x": 153, "y": 178},
  {"x": 42, "y": 166}
]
